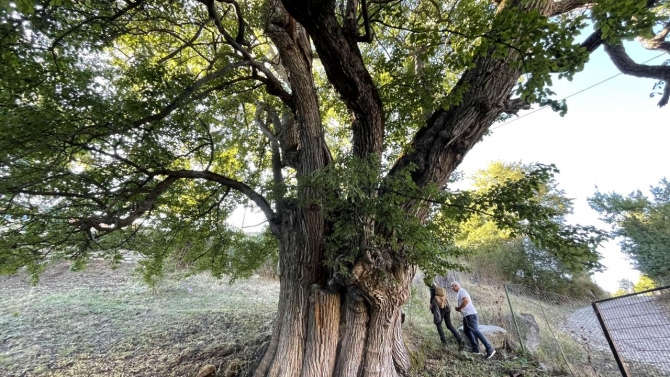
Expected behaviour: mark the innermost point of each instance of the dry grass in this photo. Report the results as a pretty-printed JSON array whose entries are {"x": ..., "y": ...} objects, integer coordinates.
[
  {"x": 103, "y": 322},
  {"x": 430, "y": 358}
]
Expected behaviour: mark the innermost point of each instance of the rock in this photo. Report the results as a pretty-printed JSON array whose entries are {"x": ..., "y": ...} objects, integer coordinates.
[
  {"x": 496, "y": 335},
  {"x": 233, "y": 369},
  {"x": 544, "y": 368},
  {"x": 529, "y": 329},
  {"x": 207, "y": 371}
]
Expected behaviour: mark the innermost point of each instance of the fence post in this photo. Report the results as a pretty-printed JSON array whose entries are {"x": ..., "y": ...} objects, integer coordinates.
[
  {"x": 514, "y": 319},
  {"x": 610, "y": 341}
]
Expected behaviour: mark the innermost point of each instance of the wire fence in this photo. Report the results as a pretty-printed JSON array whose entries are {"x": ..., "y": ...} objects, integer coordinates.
[
  {"x": 637, "y": 329},
  {"x": 562, "y": 333},
  {"x": 626, "y": 335}
]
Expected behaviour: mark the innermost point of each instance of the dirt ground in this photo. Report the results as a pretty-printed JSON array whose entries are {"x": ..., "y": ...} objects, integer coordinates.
[{"x": 104, "y": 322}]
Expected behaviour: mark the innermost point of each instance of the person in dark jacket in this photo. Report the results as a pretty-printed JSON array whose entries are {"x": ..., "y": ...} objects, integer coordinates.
[{"x": 439, "y": 306}]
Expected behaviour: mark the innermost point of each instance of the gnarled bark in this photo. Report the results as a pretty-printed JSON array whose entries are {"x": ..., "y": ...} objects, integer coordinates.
[{"x": 356, "y": 330}]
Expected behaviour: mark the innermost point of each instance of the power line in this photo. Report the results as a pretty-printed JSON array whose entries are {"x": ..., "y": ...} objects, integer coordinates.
[{"x": 572, "y": 95}]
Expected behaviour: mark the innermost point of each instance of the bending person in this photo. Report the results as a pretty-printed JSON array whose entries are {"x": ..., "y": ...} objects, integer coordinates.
[{"x": 470, "y": 321}]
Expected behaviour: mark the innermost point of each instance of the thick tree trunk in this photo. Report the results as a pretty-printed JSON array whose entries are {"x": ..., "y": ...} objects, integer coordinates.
[
  {"x": 350, "y": 351},
  {"x": 357, "y": 331},
  {"x": 311, "y": 340}
]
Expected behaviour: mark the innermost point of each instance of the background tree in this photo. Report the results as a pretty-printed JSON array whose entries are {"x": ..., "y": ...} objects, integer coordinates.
[
  {"x": 643, "y": 225},
  {"x": 127, "y": 122},
  {"x": 645, "y": 283},
  {"x": 627, "y": 286},
  {"x": 504, "y": 254}
]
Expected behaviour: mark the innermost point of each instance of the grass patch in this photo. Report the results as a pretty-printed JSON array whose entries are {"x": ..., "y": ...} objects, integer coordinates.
[
  {"x": 430, "y": 358},
  {"x": 103, "y": 322}
]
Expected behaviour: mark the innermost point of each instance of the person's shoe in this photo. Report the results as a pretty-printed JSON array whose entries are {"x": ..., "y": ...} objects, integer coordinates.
[
  {"x": 461, "y": 345},
  {"x": 490, "y": 353}
]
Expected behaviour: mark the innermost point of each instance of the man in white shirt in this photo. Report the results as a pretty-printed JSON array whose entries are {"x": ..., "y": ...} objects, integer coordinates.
[{"x": 470, "y": 320}]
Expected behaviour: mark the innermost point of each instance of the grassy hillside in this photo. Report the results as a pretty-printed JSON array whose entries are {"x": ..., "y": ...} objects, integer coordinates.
[{"x": 104, "y": 322}]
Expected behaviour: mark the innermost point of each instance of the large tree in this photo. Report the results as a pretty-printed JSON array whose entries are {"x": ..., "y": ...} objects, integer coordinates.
[{"x": 141, "y": 124}]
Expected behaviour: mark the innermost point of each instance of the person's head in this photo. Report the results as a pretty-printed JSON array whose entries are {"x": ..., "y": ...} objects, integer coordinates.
[{"x": 455, "y": 286}]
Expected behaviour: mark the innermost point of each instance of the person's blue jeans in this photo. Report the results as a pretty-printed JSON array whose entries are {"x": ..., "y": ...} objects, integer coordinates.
[{"x": 471, "y": 330}]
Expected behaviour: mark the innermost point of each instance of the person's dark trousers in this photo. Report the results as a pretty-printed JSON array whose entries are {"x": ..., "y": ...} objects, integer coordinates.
[
  {"x": 446, "y": 318},
  {"x": 471, "y": 330}
]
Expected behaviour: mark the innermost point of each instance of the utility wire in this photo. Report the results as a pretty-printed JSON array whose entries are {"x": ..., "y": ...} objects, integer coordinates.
[{"x": 572, "y": 95}]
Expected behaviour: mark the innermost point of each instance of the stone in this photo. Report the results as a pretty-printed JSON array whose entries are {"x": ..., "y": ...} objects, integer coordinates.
[
  {"x": 207, "y": 371},
  {"x": 234, "y": 368},
  {"x": 529, "y": 329},
  {"x": 496, "y": 335}
]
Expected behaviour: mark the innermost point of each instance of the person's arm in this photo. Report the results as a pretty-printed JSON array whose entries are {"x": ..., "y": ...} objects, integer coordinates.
[{"x": 463, "y": 304}]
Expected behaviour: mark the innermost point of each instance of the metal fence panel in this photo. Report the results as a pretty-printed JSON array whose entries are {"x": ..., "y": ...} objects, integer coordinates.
[
  {"x": 569, "y": 336},
  {"x": 637, "y": 327},
  {"x": 565, "y": 334}
]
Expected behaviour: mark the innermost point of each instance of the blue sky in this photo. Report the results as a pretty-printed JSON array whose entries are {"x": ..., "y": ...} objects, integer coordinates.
[{"x": 613, "y": 137}]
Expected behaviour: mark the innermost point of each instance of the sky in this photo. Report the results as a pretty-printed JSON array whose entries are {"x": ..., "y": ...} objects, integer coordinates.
[{"x": 614, "y": 138}]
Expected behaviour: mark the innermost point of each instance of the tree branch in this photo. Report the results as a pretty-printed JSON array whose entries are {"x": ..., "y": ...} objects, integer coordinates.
[
  {"x": 131, "y": 6},
  {"x": 346, "y": 70},
  {"x": 512, "y": 106},
  {"x": 244, "y": 189},
  {"x": 57, "y": 194},
  {"x": 658, "y": 42},
  {"x": 186, "y": 44},
  {"x": 629, "y": 67},
  {"x": 239, "y": 38},
  {"x": 115, "y": 156},
  {"x": 565, "y": 6},
  {"x": 666, "y": 94},
  {"x": 110, "y": 224},
  {"x": 274, "y": 140},
  {"x": 593, "y": 41},
  {"x": 350, "y": 24},
  {"x": 188, "y": 92},
  {"x": 367, "y": 37},
  {"x": 272, "y": 84}
]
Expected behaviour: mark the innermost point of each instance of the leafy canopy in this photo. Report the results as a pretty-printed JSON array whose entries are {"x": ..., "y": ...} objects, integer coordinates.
[
  {"x": 136, "y": 125},
  {"x": 514, "y": 201},
  {"x": 642, "y": 225}
]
